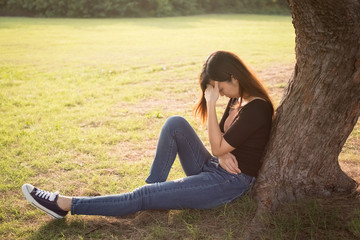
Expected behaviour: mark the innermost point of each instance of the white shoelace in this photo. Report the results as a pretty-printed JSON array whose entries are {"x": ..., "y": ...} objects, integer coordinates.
[{"x": 46, "y": 195}]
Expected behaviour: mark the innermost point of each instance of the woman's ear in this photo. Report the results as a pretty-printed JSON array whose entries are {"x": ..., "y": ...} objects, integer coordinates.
[
  {"x": 233, "y": 79},
  {"x": 212, "y": 83}
]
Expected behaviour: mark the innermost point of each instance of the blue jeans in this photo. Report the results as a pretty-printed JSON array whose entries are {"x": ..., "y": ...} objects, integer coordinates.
[{"x": 207, "y": 184}]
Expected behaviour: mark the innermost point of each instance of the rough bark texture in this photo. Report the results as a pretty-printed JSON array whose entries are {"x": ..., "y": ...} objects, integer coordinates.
[{"x": 319, "y": 109}]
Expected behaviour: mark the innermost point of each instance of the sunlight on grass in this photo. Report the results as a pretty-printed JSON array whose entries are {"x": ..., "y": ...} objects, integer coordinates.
[{"x": 126, "y": 44}]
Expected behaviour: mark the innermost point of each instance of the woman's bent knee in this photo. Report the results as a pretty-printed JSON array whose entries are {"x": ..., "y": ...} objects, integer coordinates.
[{"x": 175, "y": 122}]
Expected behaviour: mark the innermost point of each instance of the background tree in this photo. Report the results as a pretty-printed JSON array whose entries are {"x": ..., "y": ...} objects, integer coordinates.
[
  {"x": 137, "y": 8},
  {"x": 319, "y": 109}
]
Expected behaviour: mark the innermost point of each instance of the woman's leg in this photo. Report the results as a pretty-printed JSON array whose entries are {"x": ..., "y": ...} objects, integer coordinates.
[
  {"x": 208, "y": 189},
  {"x": 207, "y": 185},
  {"x": 64, "y": 202},
  {"x": 177, "y": 137}
]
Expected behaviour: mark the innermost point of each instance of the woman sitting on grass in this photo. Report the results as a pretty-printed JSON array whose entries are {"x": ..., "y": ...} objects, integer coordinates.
[{"x": 237, "y": 145}]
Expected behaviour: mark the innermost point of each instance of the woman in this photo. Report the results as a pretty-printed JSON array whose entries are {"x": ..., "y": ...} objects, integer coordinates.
[{"x": 237, "y": 145}]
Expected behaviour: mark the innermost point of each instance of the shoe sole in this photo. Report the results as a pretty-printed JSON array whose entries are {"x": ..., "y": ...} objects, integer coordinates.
[{"x": 36, "y": 204}]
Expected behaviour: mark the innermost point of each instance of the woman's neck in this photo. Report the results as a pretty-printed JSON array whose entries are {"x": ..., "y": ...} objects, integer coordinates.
[{"x": 247, "y": 99}]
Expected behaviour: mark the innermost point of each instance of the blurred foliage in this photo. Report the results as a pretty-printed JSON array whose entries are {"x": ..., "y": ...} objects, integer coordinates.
[{"x": 137, "y": 8}]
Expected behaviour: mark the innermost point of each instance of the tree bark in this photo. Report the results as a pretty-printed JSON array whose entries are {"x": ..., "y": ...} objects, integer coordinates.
[{"x": 319, "y": 109}]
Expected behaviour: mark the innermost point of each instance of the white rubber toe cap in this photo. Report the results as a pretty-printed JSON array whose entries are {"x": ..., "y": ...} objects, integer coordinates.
[{"x": 27, "y": 187}]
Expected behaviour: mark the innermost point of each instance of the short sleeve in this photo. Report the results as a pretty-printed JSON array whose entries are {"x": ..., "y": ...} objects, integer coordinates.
[{"x": 251, "y": 118}]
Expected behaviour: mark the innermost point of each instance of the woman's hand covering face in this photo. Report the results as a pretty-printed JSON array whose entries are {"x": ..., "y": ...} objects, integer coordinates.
[{"x": 212, "y": 93}]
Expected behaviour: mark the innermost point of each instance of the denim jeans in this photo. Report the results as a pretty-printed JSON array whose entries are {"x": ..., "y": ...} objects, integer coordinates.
[{"x": 207, "y": 184}]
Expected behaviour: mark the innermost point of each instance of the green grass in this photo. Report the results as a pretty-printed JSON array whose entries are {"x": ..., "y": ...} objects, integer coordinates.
[{"x": 82, "y": 102}]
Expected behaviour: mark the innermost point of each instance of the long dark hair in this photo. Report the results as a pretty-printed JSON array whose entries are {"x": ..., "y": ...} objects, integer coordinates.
[{"x": 221, "y": 66}]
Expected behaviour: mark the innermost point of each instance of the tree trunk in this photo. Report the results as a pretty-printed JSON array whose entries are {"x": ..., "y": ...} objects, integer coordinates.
[{"x": 319, "y": 109}]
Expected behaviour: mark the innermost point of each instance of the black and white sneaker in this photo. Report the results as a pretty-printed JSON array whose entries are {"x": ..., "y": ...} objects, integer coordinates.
[{"x": 46, "y": 201}]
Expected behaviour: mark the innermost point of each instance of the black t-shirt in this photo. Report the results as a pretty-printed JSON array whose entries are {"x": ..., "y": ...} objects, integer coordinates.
[{"x": 249, "y": 134}]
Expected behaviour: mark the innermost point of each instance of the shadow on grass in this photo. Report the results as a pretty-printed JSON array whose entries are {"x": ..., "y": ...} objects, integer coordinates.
[
  {"x": 135, "y": 226},
  {"x": 333, "y": 218},
  {"x": 220, "y": 223}
]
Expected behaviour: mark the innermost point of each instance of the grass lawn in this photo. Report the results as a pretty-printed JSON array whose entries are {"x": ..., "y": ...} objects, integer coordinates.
[{"x": 82, "y": 102}]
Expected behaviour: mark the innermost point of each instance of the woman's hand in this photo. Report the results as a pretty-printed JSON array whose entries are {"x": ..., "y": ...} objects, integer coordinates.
[
  {"x": 229, "y": 163},
  {"x": 212, "y": 93}
]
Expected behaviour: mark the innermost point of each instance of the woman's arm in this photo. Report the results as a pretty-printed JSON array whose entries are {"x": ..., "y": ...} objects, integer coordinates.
[{"x": 218, "y": 144}]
